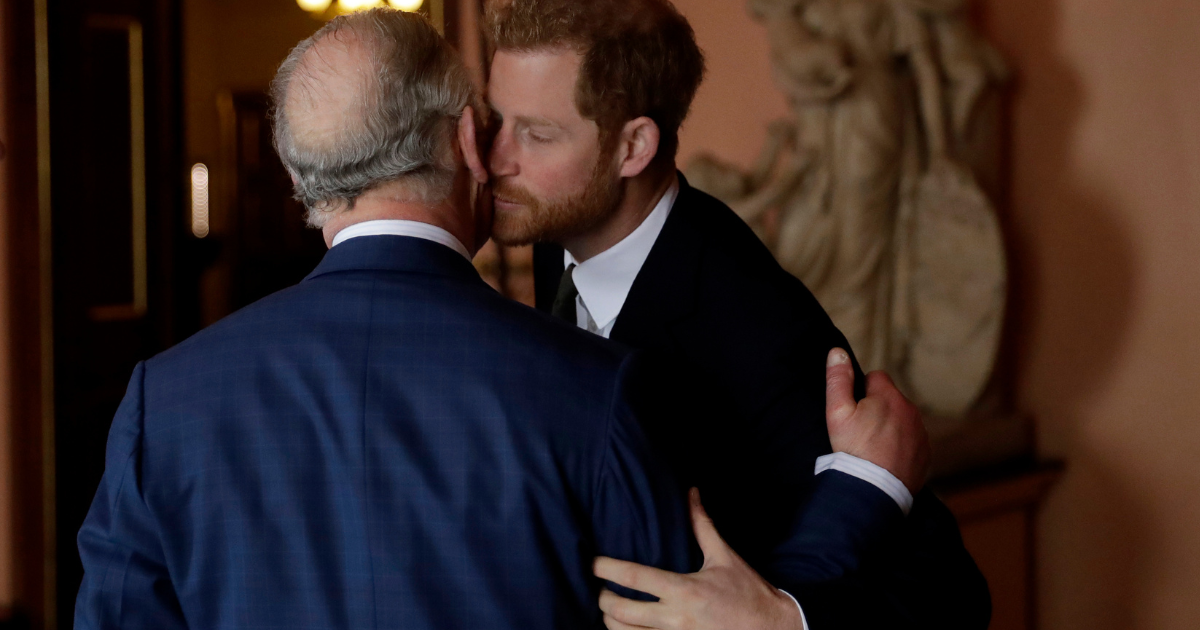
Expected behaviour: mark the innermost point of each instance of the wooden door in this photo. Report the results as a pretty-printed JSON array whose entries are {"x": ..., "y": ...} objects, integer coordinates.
[{"x": 116, "y": 229}]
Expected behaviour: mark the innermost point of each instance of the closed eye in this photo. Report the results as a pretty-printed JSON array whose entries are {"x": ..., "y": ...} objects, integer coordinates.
[{"x": 539, "y": 136}]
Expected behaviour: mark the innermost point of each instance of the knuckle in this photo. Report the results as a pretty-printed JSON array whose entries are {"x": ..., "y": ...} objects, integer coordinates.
[
  {"x": 840, "y": 412},
  {"x": 626, "y": 577}
]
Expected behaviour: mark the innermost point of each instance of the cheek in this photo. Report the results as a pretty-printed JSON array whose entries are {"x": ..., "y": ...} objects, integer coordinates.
[{"x": 558, "y": 174}]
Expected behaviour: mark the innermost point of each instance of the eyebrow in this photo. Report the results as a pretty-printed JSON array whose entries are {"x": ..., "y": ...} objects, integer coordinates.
[
  {"x": 526, "y": 121},
  {"x": 538, "y": 121}
]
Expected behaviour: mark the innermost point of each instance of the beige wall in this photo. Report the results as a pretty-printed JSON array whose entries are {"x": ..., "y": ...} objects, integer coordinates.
[
  {"x": 1104, "y": 223},
  {"x": 1103, "y": 227},
  {"x": 738, "y": 98},
  {"x": 6, "y": 472}
]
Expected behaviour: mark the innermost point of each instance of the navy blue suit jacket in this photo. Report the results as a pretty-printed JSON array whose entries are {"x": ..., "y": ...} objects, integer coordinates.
[{"x": 389, "y": 444}]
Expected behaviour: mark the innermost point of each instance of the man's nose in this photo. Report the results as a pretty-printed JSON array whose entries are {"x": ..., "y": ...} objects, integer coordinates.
[{"x": 501, "y": 160}]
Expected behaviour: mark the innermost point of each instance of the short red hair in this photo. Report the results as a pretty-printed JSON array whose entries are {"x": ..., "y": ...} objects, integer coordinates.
[{"x": 640, "y": 57}]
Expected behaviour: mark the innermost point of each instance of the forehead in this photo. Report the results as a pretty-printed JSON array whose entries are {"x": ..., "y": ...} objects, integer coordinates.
[{"x": 535, "y": 83}]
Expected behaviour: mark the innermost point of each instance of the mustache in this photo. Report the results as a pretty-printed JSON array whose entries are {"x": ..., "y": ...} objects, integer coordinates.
[{"x": 508, "y": 191}]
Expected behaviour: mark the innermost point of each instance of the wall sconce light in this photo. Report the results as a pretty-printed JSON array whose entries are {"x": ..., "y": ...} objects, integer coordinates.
[
  {"x": 327, "y": 9},
  {"x": 200, "y": 201}
]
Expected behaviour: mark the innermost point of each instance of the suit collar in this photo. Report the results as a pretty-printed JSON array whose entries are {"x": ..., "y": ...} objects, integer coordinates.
[
  {"x": 604, "y": 280},
  {"x": 665, "y": 288},
  {"x": 404, "y": 254},
  {"x": 399, "y": 227}
]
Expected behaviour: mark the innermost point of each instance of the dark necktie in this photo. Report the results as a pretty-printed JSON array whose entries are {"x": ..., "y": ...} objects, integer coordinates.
[{"x": 564, "y": 302}]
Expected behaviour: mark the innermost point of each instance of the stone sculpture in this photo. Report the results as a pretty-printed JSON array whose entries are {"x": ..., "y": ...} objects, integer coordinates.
[{"x": 870, "y": 192}]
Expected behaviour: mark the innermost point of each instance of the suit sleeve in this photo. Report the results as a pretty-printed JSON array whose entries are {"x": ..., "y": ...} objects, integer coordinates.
[
  {"x": 640, "y": 512},
  {"x": 125, "y": 583},
  {"x": 913, "y": 573},
  {"x": 848, "y": 542}
]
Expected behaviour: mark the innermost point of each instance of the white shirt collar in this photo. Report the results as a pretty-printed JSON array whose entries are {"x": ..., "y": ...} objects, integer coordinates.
[
  {"x": 604, "y": 280},
  {"x": 397, "y": 227}
]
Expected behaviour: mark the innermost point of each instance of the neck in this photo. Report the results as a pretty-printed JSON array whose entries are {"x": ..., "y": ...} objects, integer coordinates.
[
  {"x": 641, "y": 194},
  {"x": 390, "y": 203}
]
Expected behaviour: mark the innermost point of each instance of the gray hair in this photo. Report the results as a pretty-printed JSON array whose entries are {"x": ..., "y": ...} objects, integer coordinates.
[{"x": 415, "y": 90}]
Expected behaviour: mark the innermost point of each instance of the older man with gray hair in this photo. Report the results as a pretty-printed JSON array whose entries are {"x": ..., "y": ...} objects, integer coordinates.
[{"x": 389, "y": 443}]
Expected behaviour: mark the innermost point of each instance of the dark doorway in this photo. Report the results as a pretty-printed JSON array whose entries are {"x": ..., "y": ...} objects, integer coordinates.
[
  {"x": 268, "y": 247},
  {"x": 122, "y": 290}
]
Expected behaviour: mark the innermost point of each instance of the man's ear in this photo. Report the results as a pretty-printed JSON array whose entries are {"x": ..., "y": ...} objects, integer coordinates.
[
  {"x": 638, "y": 146},
  {"x": 469, "y": 143}
]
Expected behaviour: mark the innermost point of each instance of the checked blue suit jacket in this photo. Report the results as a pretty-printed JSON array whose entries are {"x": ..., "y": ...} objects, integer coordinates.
[{"x": 389, "y": 444}]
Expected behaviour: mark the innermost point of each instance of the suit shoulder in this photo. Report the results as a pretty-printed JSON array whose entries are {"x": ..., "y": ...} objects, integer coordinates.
[
  {"x": 238, "y": 329},
  {"x": 737, "y": 269},
  {"x": 557, "y": 342},
  {"x": 351, "y": 307}
]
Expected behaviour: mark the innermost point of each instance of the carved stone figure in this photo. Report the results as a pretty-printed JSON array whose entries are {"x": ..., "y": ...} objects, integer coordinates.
[{"x": 869, "y": 192}]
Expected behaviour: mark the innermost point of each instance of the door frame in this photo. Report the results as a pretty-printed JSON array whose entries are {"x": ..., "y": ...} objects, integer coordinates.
[{"x": 29, "y": 316}]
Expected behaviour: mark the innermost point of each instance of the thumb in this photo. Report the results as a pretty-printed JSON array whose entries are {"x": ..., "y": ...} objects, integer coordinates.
[
  {"x": 880, "y": 384},
  {"x": 716, "y": 551},
  {"x": 839, "y": 388}
]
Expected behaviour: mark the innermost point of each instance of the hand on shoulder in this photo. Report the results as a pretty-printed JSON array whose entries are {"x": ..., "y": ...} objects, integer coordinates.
[{"x": 884, "y": 428}]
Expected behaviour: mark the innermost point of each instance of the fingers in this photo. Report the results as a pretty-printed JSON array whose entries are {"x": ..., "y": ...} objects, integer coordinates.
[
  {"x": 716, "y": 550},
  {"x": 839, "y": 387},
  {"x": 649, "y": 580},
  {"x": 627, "y": 613},
  {"x": 468, "y": 141}
]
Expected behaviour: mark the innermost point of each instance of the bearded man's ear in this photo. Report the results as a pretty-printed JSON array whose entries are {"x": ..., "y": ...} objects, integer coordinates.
[{"x": 638, "y": 146}]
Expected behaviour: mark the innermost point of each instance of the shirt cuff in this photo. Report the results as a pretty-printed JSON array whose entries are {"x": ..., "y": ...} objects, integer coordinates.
[
  {"x": 803, "y": 621},
  {"x": 870, "y": 473}
]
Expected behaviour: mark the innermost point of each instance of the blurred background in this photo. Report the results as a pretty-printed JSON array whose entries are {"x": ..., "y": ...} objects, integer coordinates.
[{"x": 140, "y": 200}]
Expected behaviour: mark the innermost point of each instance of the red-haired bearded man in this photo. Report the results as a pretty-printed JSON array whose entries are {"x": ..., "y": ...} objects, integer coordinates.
[{"x": 586, "y": 100}]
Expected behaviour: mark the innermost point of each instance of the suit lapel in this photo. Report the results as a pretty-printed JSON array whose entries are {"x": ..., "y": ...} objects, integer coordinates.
[{"x": 665, "y": 288}]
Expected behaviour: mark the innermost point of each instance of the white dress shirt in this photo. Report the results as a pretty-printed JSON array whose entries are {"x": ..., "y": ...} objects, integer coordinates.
[{"x": 397, "y": 227}]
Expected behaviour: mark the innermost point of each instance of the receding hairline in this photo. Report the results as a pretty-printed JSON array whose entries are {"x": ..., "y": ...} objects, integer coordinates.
[{"x": 331, "y": 86}]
